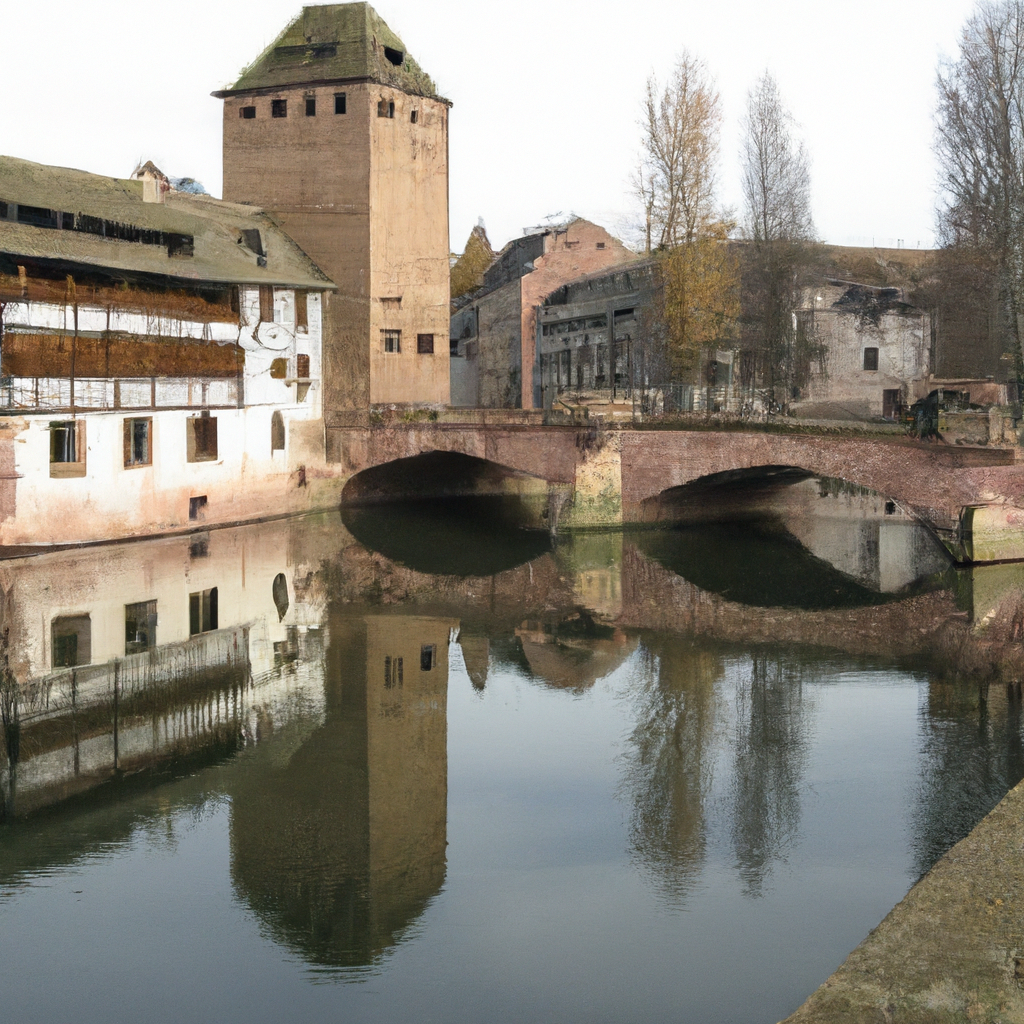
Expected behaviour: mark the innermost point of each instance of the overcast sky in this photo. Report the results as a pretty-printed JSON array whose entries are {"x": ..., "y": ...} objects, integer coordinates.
[{"x": 546, "y": 95}]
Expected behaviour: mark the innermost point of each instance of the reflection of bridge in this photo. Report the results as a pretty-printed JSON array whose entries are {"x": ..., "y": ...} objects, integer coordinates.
[{"x": 973, "y": 498}]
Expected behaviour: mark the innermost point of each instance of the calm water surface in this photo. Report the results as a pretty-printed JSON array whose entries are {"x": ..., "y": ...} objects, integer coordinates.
[{"x": 447, "y": 771}]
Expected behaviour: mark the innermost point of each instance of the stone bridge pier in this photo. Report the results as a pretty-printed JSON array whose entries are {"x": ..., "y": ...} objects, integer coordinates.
[{"x": 584, "y": 477}]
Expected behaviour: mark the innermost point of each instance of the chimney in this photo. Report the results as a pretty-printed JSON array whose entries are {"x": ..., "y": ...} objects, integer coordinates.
[{"x": 154, "y": 182}]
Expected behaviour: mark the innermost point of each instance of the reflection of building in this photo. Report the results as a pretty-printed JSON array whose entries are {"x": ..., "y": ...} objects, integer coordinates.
[
  {"x": 575, "y": 652},
  {"x": 160, "y": 361},
  {"x": 132, "y": 653},
  {"x": 341, "y": 846},
  {"x": 861, "y": 533}
]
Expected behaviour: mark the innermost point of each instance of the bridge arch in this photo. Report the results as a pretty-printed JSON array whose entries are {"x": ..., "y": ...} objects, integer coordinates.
[{"x": 437, "y": 474}]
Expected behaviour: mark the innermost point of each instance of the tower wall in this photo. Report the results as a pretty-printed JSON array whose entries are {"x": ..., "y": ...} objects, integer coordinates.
[{"x": 366, "y": 196}]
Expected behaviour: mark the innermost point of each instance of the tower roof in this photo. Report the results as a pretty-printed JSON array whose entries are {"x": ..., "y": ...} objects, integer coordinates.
[{"x": 335, "y": 43}]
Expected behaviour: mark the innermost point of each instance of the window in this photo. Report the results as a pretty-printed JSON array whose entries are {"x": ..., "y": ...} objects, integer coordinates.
[
  {"x": 266, "y": 303},
  {"x": 202, "y": 611},
  {"x": 600, "y": 245},
  {"x": 310, "y": 106},
  {"x": 197, "y": 507},
  {"x": 180, "y": 245},
  {"x": 386, "y": 108},
  {"x": 414, "y": 116},
  {"x": 278, "y": 108},
  {"x": 339, "y": 103},
  {"x": 67, "y": 448},
  {"x": 395, "y": 56},
  {"x": 302, "y": 366},
  {"x": 247, "y": 113},
  {"x": 871, "y": 359},
  {"x": 277, "y": 432},
  {"x": 392, "y": 672},
  {"x": 139, "y": 627},
  {"x": 71, "y": 641},
  {"x": 279, "y": 369},
  {"x": 201, "y": 438},
  {"x": 301, "y": 311},
  {"x": 428, "y": 655},
  {"x": 425, "y": 344},
  {"x": 138, "y": 442},
  {"x": 392, "y": 341}
]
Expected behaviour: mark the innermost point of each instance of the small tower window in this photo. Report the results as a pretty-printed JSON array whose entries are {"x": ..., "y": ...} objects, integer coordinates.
[
  {"x": 248, "y": 113},
  {"x": 414, "y": 116},
  {"x": 339, "y": 103},
  {"x": 310, "y": 106},
  {"x": 871, "y": 359},
  {"x": 278, "y": 108},
  {"x": 386, "y": 108},
  {"x": 277, "y": 432}
]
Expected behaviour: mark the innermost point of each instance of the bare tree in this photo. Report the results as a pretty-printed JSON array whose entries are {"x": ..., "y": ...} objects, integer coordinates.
[
  {"x": 777, "y": 199},
  {"x": 675, "y": 182},
  {"x": 980, "y": 147}
]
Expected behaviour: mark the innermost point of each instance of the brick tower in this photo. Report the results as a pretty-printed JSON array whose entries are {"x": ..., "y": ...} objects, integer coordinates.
[{"x": 337, "y": 132}]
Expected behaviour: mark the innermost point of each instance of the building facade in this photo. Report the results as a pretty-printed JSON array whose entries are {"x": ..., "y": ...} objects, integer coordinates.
[
  {"x": 494, "y": 328},
  {"x": 338, "y": 133},
  {"x": 866, "y": 349},
  {"x": 160, "y": 360}
]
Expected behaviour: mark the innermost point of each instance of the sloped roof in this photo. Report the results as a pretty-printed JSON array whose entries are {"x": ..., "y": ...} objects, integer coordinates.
[
  {"x": 335, "y": 43},
  {"x": 224, "y": 243}
]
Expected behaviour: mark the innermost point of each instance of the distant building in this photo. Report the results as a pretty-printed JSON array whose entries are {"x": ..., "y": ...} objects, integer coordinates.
[
  {"x": 592, "y": 337},
  {"x": 864, "y": 349},
  {"x": 160, "y": 360},
  {"x": 339, "y": 133},
  {"x": 494, "y": 328}
]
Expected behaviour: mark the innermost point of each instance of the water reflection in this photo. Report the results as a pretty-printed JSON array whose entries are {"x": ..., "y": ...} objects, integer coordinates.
[
  {"x": 677, "y": 706},
  {"x": 451, "y": 537},
  {"x": 340, "y": 845},
  {"x": 815, "y": 544},
  {"x": 769, "y": 754},
  {"x": 311, "y": 700},
  {"x": 972, "y": 755}
]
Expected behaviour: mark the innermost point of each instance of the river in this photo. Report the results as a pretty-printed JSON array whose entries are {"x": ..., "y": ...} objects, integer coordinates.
[{"x": 416, "y": 762}]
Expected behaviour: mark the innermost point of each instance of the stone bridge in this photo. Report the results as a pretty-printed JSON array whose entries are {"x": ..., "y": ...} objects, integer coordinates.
[{"x": 972, "y": 497}]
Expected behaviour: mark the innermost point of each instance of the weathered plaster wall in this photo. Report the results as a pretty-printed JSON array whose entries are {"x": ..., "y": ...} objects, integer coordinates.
[
  {"x": 409, "y": 248},
  {"x": 902, "y": 337}
]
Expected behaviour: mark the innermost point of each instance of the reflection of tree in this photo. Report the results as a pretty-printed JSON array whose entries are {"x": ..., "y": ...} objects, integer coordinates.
[
  {"x": 770, "y": 753},
  {"x": 668, "y": 765},
  {"x": 972, "y": 755}
]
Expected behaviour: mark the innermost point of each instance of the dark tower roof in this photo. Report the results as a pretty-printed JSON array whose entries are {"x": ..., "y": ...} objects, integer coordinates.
[{"x": 335, "y": 43}]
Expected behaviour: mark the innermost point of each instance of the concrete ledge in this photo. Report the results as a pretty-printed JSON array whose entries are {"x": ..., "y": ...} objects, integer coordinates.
[{"x": 952, "y": 950}]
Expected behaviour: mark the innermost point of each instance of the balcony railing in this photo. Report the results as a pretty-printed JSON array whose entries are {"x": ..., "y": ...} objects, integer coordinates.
[{"x": 61, "y": 394}]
